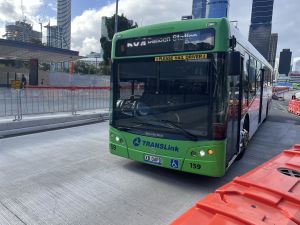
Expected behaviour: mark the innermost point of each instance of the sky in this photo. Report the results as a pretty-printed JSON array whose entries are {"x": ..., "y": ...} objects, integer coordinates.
[{"x": 86, "y": 17}]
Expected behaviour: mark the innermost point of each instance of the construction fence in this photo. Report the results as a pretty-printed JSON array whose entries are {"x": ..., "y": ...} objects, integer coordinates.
[{"x": 41, "y": 100}]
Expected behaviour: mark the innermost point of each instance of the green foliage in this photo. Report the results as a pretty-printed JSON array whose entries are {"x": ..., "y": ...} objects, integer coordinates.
[
  {"x": 123, "y": 24},
  {"x": 85, "y": 68},
  {"x": 105, "y": 69},
  {"x": 36, "y": 41},
  {"x": 106, "y": 46}
]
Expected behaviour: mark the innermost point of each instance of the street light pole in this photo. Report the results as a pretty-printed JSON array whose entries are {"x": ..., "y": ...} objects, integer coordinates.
[{"x": 116, "y": 16}]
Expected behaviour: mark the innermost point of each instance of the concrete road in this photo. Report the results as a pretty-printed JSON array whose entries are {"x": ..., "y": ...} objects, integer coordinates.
[{"x": 68, "y": 177}]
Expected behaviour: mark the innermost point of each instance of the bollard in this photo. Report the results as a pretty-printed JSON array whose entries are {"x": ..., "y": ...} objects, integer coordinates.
[{"x": 18, "y": 116}]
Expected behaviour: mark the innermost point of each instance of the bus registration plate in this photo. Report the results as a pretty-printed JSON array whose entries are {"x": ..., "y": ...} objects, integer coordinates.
[{"x": 152, "y": 159}]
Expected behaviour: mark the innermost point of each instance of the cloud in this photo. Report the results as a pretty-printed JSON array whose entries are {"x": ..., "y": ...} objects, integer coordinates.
[
  {"x": 144, "y": 12},
  {"x": 52, "y": 6},
  {"x": 2, "y": 31},
  {"x": 7, "y": 11},
  {"x": 34, "y": 11},
  {"x": 11, "y": 10},
  {"x": 86, "y": 28}
]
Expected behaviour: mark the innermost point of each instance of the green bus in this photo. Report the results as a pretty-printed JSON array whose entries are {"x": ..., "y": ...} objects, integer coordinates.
[{"x": 186, "y": 95}]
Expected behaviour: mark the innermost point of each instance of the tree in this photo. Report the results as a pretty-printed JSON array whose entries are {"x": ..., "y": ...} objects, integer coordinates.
[
  {"x": 85, "y": 68},
  {"x": 123, "y": 24},
  {"x": 36, "y": 41}
]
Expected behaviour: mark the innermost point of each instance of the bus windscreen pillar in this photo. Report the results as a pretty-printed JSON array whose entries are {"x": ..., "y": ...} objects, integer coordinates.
[{"x": 33, "y": 72}]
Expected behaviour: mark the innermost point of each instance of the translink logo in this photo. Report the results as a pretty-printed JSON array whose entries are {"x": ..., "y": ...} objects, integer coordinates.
[{"x": 137, "y": 142}]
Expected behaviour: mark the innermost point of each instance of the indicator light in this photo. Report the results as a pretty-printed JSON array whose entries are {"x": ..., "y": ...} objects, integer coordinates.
[
  {"x": 202, "y": 153},
  {"x": 211, "y": 24},
  {"x": 117, "y": 139},
  {"x": 211, "y": 152}
]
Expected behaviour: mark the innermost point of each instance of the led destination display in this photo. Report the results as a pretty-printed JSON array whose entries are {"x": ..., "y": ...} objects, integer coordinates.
[{"x": 198, "y": 40}]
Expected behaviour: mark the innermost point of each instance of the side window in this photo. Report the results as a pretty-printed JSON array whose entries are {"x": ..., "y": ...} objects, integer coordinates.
[
  {"x": 252, "y": 78},
  {"x": 270, "y": 78},
  {"x": 258, "y": 76},
  {"x": 267, "y": 77},
  {"x": 246, "y": 80}
]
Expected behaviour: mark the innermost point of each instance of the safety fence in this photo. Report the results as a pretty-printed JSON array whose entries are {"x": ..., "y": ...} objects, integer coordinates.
[
  {"x": 294, "y": 106},
  {"x": 41, "y": 100},
  {"x": 269, "y": 194},
  {"x": 279, "y": 91}
]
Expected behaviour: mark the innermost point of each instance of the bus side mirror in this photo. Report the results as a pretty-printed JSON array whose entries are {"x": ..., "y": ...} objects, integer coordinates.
[{"x": 235, "y": 66}]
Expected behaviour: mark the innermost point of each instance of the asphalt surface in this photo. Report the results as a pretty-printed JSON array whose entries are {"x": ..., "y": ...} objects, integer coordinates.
[{"x": 68, "y": 176}]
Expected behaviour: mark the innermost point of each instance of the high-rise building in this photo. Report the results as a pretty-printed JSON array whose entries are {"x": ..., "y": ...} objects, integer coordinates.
[
  {"x": 285, "y": 62},
  {"x": 217, "y": 8},
  {"x": 210, "y": 8},
  {"x": 22, "y": 31},
  {"x": 261, "y": 25},
  {"x": 297, "y": 66},
  {"x": 64, "y": 21},
  {"x": 54, "y": 36},
  {"x": 273, "y": 49},
  {"x": 199, "y": 9}
]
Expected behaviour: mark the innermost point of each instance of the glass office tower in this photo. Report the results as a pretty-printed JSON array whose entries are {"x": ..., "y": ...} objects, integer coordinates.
[
  {"x": 285, "y": 62},
  {"x": 261, "y": 25},
  {"x": 273, "y": 49},
  {"x": 210, "y": 8},
  {"x": 64, "y": 21},
  {"x": 199, "y": 9},
  {"x": 217, "y": 8}
]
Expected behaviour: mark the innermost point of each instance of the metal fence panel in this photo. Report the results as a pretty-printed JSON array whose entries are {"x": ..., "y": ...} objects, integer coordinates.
[{"x": 30, "y": 101}]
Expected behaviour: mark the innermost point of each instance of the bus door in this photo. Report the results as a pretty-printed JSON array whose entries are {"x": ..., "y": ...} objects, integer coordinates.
[
  {"x": 234, "y": 114},
  {"x": 261, "y": 77}
]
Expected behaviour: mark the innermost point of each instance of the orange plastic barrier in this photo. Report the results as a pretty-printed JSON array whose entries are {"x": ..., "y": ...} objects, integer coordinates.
[
  {"x": 294, "y": 107},
  {"x": 269, "y": 194}
]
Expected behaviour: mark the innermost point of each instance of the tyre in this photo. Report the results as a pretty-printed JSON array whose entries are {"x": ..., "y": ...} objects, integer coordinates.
[{"x": 244, "y": 143}]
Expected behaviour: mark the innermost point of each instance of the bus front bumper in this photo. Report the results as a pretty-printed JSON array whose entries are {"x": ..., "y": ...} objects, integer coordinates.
[{"x": 215, "y": 168}]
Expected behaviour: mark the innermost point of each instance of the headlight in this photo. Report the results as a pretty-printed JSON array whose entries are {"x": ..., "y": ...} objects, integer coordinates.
[{"x": 202, "y": 153}]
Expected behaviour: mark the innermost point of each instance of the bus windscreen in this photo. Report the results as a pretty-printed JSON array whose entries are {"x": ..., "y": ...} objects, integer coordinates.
[{"x": 197, "y": 40}]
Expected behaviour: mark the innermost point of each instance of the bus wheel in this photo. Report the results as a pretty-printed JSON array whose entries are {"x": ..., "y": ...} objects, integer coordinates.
[{"x": 244, "y": 143}]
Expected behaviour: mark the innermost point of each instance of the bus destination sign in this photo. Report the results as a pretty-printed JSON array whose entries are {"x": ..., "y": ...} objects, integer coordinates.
[{"x": 198, "y": 40}]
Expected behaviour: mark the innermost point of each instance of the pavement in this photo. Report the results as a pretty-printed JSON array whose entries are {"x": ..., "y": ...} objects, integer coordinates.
[
  {"x": 44, "y": 122},
  {"x": 68, "y": 176}
]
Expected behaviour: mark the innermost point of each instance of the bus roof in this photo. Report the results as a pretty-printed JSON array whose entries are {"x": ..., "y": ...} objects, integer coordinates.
[{"x": 169, "y": 27}]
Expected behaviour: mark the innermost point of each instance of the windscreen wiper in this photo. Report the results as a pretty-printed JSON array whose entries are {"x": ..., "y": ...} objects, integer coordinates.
[
  {"x": 124, "y": 128},
  {"x": 169, "y": 124},
  {"x": 152, "y": 124},
  {"x": 184, "y": 131}
]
